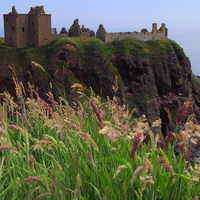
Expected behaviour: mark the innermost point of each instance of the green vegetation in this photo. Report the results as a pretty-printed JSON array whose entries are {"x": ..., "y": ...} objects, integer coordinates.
[
  {"x": 92, "y": 150},
  {"x": 12, "y": 55},
  {"x": 152, "y": 48},
  {"x": 1, "y": 40},
  {"x": 87, "y": 48},
  {"x": 195, "y": 81},
  {"x": 128, "y": 47},
  {"x": 83, "y": 48},
  {"x": 159, "y": 48}
]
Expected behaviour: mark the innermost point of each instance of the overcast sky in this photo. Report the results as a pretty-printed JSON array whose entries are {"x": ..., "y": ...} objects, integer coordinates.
[{"x": 113, "y": 13}]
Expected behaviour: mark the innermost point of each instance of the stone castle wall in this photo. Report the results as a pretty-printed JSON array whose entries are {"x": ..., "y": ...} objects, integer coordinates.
[
  {"x": 44, "y": 29},
  {"x": 25, "y": 30},
  {"x": 144, "y": 35},
  {"x": 9, "y": 31},
  {"x": 76, "y": 31}
]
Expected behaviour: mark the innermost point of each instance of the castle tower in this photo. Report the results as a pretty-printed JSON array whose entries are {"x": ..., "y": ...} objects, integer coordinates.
[
  {"x": 164, "y": 29},
  {"x": 10, "y": 28},
  {"x": 39, "y": 26},
  {"x": 25, "y": 30},
  {"x": 154, "y": 27}
]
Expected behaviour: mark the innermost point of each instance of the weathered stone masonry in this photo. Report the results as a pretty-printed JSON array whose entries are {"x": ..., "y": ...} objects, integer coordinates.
[
  {"x": 26, "y": 30},
  {"x": 155, "y": 34}
]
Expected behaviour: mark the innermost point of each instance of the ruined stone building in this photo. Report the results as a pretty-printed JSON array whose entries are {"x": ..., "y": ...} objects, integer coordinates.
[
  {"x": 27, "y": 30},
  {"x": 34, "y": 29},
  {"x": 74, "y": 31},
  {"x": 77, "y": 31},
  {"x": 155, "y": 34}
]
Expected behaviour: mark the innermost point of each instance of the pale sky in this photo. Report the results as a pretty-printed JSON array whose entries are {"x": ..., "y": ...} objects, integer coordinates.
[{"x": 113, "y": 13}]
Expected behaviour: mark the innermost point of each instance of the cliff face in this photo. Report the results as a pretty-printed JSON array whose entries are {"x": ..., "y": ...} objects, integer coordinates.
[{"x": 155, "y": 76}]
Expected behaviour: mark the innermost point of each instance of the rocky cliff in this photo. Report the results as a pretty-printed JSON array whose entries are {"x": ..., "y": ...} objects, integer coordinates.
[{"x": 154, "y": 76}]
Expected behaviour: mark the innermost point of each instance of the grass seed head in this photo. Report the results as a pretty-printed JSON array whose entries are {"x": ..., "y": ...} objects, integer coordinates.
[
  {"x": 136, "y": 172},
  {"x": 43, "y": 195},
  {"x": 7, "y": 148},
  {"x": 136, "y": 142},
  {"x": 77, "y": 191},
  {"x": 166, "y": 165}
]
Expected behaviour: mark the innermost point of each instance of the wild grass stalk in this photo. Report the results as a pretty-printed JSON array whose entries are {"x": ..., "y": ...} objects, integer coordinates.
[{"x": 94, "y": 150}]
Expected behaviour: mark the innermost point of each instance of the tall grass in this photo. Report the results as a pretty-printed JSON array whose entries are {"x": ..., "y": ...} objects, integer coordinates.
[{"x": 89, "y": 150}]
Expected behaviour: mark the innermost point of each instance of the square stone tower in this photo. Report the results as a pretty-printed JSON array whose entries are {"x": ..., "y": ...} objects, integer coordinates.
[{"x": 27, "y": 30}]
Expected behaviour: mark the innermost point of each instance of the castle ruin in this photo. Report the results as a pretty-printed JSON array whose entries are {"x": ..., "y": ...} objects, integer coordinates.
[
  {"x": 34, "y": 29},
  {"x": 27, "y": 30},
  {"x": 77, "y": 31},
  {"x": 155, "y": 34}
]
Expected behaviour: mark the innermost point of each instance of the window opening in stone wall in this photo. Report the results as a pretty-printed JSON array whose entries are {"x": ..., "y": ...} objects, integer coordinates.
[
  {"x": 22, "y": 29},
  {"x": 13, "y": 28},
  {"x": 34, "y": 32},
  {"x": 6, "y": 19},
  {"x": 161, "y": 38},
  {"x": 32, "y": 23}
]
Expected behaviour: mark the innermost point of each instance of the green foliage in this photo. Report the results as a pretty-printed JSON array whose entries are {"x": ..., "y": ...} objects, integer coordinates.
[
  {"x": 10, "y": 55},
  {"x": 175, "y": 45},
  {"x": 1, "y": 40},
  {"x": 92, "y": 150},
  {"x": 140, "y": 100},
  {"x": 195, "y": 81},
  {"x": 128, "y": 47},
  {"x": 158, "y": 48},
  {"x": 152, "y": 48}
]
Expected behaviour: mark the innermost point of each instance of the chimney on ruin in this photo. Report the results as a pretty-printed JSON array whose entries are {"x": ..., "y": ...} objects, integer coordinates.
[
  {"x": 154, "y": 27},
  {"x": 162, "y": 28}
]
